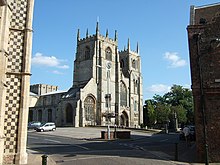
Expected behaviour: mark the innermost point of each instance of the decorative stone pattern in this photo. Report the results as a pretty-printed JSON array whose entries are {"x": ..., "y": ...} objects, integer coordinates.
[
  {"x": 14, "y": 66},
  {"x": 15, "y": 48},
  {"x": 11, "y": 114},
  {"x": 19, "y": 12}
]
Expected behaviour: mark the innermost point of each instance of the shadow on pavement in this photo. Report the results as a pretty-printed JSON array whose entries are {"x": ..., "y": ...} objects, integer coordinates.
[{"x": 123, "y": 148}]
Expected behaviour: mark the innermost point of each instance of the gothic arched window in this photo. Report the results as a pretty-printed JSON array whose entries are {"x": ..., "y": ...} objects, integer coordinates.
[
  {"x": 89, "y": 106},
  {"x": 122, "y": 64},
  {"x": 108, "y": 54},
  {"x": 135, "y": 106},
  {"x": 123, "y": 94},
  {"x": 134, "y": 64},
  {"x": 87, "y": 53}
]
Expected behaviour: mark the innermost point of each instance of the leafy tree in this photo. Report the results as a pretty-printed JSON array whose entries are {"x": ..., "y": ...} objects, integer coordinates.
[
  {"x": 151, "y": 114},
  {"x": 178, "y": 101},
  {"x": 162, "y": 112},
  {"x": 180, "y": 112}
]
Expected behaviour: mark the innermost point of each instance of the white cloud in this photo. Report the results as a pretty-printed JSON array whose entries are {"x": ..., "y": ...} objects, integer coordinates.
[
  {"x": 158, "y": 88},
  {"x": 56, "y": 72},
  {"x": 63, "y": 67},
  {"x": 49, "y": 61},
  {"x": 174, "y": 59}
]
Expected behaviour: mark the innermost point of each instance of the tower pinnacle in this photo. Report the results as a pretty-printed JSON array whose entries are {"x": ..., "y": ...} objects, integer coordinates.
[
  {"x": 137, "y": 48},
  {"x": 97, "y": 28},
  {"x": 116, "y": 35},
  {"x": 107, "y": 33},
  {"x": 87, "y": 33},
  {"x": 128, "y": 44},
  {"x": 78, "y": 35}
]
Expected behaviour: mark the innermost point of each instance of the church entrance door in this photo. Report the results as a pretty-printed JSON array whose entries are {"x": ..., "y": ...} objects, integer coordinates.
[
  {"x": 69, "y": 114},
  {"x": 124, "y": 119}
]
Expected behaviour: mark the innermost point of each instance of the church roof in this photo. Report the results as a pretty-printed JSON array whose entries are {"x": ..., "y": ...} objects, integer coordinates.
[
  {"x": 54, "y": 92},
  {"x": 71, "y": 93}
]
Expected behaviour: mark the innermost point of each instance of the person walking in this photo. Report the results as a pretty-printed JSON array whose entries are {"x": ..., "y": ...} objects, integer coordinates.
[{"x": 186, "y": 132}]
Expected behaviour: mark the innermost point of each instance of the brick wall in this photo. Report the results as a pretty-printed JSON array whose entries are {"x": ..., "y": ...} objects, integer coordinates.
[{"x": 204, "y": 48}]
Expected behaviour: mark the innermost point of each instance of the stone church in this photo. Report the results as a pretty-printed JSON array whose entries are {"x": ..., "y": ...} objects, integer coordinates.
[{"x": 106, "y": 89}]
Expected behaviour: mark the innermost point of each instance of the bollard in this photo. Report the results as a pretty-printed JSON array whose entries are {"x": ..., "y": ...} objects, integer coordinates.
[
  {"x": 176, "y": 152},
  {"x": 115, "y": 132},
  {"x": 44, "y": 159},
  {"x": 108, "y": 132}
]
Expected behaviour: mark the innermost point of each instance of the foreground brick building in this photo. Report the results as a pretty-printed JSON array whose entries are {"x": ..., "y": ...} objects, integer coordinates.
[
  {"x": 204, "y": 46},
  {"x": 15, "y": 55}
]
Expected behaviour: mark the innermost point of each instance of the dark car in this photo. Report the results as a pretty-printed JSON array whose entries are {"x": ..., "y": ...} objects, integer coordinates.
[
  {"x": 192, "y": 133},
  {"x": 34, "y": 124}
]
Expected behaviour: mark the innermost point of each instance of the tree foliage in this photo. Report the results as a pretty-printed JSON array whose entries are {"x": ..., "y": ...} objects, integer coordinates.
[{"x": 178, "y": 102}]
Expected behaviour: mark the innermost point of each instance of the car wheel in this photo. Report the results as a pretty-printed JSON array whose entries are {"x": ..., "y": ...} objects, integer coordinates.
[
  {"x": 41, "y": 130},
  {"x": 53, "y": 129}
]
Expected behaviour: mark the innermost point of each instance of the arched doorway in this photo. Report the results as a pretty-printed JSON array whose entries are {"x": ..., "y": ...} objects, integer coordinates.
[
  {"x": 69, "y": 114},
  {"x": 49, "y": 115},
  {"x": 124, "y": 119},
  {"x": 89, "y": 107},
  {"x": 39, "y": 115}
]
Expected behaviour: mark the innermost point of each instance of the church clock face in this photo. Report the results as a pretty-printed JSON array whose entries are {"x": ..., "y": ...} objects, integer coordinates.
[{"x": 108, "y": 65}]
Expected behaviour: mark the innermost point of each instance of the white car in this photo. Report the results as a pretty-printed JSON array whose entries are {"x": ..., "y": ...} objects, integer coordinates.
[{"x": 46, "y": 127}]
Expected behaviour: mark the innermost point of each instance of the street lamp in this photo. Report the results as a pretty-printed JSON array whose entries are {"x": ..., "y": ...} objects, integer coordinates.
[{"x": 107, "y": 98}]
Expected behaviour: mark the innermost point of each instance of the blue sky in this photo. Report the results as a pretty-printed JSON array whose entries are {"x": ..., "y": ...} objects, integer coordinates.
[{"x": 158, "y": 26}]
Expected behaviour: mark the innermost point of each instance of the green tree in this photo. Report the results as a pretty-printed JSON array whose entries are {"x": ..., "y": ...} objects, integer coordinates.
[
  {"x": 180, "y": 112},
  {"x": 162, "y": 112},
  {"x": 178, "y": 101},
  {"x": 179, "y": 96},
  {"x": 151, "y": 113}
]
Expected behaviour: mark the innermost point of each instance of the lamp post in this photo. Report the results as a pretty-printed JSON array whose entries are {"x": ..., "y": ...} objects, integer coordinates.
[{"x": 107, "y": 97}]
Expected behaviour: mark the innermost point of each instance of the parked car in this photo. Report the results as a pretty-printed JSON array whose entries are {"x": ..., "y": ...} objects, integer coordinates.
[
  {"x": 46, "y": 127},
  {"x": 192, "y": 134},
  {"x": 33, "y": 124}
]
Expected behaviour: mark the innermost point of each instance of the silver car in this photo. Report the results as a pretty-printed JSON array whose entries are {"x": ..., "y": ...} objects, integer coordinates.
[{"x": 46, "y": 127}]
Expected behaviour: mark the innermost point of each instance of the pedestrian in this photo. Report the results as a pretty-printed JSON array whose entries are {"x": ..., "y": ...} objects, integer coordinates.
[{"x": 186, "y": 132}]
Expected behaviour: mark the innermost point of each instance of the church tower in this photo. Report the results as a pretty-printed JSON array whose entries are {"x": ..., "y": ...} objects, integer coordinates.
[
  {"x": 97, "y": 60},
  {"x": 131, "y": 94}
]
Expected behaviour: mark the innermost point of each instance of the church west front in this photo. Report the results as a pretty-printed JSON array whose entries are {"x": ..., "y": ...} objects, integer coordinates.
[{"x": 106, "y": 88}]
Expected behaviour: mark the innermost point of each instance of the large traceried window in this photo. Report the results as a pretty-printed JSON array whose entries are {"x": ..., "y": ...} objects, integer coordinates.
[
  {"x": 89, "y": 105},
  {"x": 87, "y": 53},
  {"x": 123, "y": 94},
  {"x": 108, "y": 54}
]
